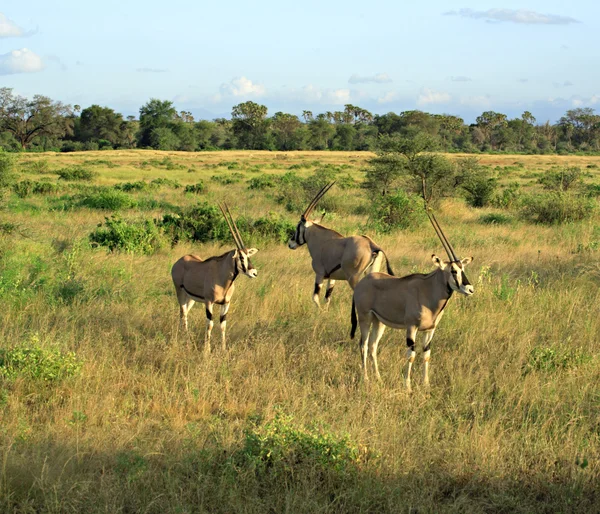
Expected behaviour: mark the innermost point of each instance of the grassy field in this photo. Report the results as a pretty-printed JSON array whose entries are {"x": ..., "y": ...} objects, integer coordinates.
[{"x": 109, "y": 407}]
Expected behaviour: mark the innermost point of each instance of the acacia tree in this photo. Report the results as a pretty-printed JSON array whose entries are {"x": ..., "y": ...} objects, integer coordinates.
[
  {"x": 250, "y": 125},
  {"x": 288, "y": 131},
  {"x": 156, "y": 114},
  {"x": 28, "y": 120},
  {"x": 98, "y": 123}
]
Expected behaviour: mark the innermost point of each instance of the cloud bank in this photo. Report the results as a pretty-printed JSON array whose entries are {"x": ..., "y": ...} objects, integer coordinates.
[
  {"x": 522, "y": 16},
  {"x": 9, "y": 29},
  {"x": 20, "y": 61}
]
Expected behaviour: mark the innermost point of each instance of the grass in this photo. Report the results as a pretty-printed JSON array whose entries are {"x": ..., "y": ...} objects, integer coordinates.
[{"x": 281, "y": 421}]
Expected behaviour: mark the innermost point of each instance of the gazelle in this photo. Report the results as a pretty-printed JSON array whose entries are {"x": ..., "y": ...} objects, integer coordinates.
[
  {"x": 211, "y": 281},
  {"x": 415, "y": 303},
  {"x": 335, "y": 257}
]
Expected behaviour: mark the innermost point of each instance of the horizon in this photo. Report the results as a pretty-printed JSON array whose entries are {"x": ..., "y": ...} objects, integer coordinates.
[{"x": 453, "y": 58}]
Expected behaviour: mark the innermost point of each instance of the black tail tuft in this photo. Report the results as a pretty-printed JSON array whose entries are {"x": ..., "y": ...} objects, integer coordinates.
[
  {"x": 389, "y": 268},
  {"x": 353, "y": 319}
]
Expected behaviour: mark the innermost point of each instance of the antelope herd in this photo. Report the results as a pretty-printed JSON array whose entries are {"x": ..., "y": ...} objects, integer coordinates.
[{"x": 414, "y": 302}]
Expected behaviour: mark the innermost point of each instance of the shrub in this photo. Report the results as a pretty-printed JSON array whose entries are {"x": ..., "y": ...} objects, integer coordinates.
[
  {"x": 33, "y": 361},
  {"x": 101, "y": 162},
  {"x": 26, "y": 187},
  {"x": 40, "y": 167},
  {"x": 561, "y": 179},
  {"x": 127, "y": 236},
  {"x": 201, "y": 223},
  {"x": 271, "y": 227},
  {"x": 556, "y": 207},
  {"x": 195, "y": 188},
  {"x": 23, "y": 188},
  {"x": 263, "y": 181},
  {"x": 76, "y": 173},
  {"x": 71, "y": 146},
  {"x": 139, "y": 185},
  {"x": 399, "y": 210},
  {"x": 476, "y": 181},
  {"x": 7, "y": 162},
  {"x": 495, "y": 218},
  {"x": 508, "y": 197},
  {"x": 280, "y": 447},
  {"x": 166, "y": 182},
  {"x": 109, "y": 199},
  {"x": 232, "y": 178}
]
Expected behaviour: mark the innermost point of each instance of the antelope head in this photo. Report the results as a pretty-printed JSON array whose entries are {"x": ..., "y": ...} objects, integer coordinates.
[
  {"x": 242, "y": 254},
  {"x": 298, "y": 239},
  {"x": 454, "y": 269}
]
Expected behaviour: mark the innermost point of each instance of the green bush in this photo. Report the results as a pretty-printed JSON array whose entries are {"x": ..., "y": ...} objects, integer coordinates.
[
  {"x": 280, "y": 448},
  {"x": 71, "y": 146},
  {"x": 40, "y": 167},
  {"x": 117, "y": 234},
  {"x": 27, "y": 187},
  {"x": 197, "y": 188},
  {"x": 477, "y": 182},
  {"x": 271, "y": 227},
  {"x": 398, "y": 210},
  {"x": 7, "y": 163},
  {"x": 76, "y": 173},
  {"x": 108, "y": 199},
  {"x": 508, "y": 197},
  {"x": 230, "y": 178},
  {"x": 137, "y": 186},
  {"x": 201, "y": 223},
  {"x": 556, "y": 207},
  {"x": 264, "y": 181},
  {"x": 495, "y": 218},
  {"x": 561, "y": 179},
  {"x": 165, "y": 182},
  {"x": 33, "y": 361}
]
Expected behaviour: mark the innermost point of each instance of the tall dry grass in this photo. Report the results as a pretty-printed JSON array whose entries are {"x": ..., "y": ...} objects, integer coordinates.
[{"x": 150, "y": 424}]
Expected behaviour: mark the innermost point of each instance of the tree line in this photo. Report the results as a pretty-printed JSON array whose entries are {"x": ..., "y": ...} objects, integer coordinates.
[{"x": 43, "y": 124}]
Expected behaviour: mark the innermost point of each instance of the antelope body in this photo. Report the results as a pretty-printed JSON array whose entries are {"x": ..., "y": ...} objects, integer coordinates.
[
  {"x": 415, "y": 303},
  {"x": 211, "y": 281},
  {"x": 335, "y": 257}
]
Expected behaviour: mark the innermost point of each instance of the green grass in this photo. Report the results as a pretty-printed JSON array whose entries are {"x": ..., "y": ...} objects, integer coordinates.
[{"x": 139, "y": 419}]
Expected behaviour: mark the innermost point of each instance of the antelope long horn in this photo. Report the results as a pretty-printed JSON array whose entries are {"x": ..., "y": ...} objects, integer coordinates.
[
  {"x": 440, "y": 234},
  {"x": 315, "y": 200},
  {"x": 237, "y": 243},
  {"x": 445, "y": 238},
  {"x": 235, "y": 227}
]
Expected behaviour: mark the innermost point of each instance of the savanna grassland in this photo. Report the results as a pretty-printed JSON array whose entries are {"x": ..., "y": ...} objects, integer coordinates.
[{"x": 107, "y": 406}]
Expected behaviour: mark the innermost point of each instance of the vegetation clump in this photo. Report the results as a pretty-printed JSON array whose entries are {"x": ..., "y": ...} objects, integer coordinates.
[
  {"x": 556, "y": 207},
  {"x": 118, "y": 234},
  {"x": 76, "y": 173}
]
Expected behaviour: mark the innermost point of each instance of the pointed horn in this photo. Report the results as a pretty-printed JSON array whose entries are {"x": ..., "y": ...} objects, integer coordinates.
[
  {"x": 239, "y": 236},
  {"x": 230, "y": 227},
  {"x": 316, "y": 199},
  {"x": 445, "y": 238},
  {"x": 439, "y": 234}
]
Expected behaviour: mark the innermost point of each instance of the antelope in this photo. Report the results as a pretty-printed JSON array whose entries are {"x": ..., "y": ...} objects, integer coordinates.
[
  {"x": 211, "y": 281},
  {"x": 335, "y": 257},
  {"x": 414, "y": 302}
]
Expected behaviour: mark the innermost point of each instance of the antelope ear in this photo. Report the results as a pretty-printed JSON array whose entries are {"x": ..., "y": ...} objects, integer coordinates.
[
  {"x": 251, "y": 251},
  {"x": 466, "y": 260},
  {"x": 438, "y": 262}
]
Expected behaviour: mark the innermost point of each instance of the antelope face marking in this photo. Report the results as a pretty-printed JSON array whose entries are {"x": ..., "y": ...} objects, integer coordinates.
[
  {"x": 455, "y": 274},
  {"x": 243, "y": 262},
  {"x": 298, "y": 238}
]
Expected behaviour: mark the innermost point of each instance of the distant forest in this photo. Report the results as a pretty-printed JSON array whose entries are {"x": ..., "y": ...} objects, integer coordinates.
[{"x": 42, "y": 124}]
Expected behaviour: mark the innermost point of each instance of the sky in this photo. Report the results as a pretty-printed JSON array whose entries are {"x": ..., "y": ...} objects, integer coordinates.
[{"x": 440, "y": 56}]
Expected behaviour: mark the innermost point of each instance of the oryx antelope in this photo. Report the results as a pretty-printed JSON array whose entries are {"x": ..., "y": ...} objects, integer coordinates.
[
  {"x": 415, "y": 303},
  {"x": 211, "y": 281},
  {"x": 335, "y": 257}
]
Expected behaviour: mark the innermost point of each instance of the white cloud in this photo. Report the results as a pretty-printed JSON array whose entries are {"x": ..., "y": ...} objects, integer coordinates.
[
  {"x": 429, "y": 96},
  {"x": 20, "y": 61},
  {"x": 579, "y": 101},
  {"x": 150, "y": 70},
  {"x": 378, "y": 78},
  {"x": 523, "y": 16},
  {"x": 240, "y": 87},
  {"x": 9, "y": 29},
  {"x": 388, "y": 97}
]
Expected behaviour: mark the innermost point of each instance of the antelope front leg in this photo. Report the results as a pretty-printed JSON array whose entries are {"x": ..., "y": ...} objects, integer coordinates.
[
  {"x": 330, "y": 285},
  {"x": 411, "y": 334},
  {"x": 209, "y": 326},
  {"x": 426, "y": 355},
  {"x": 318, "y": 286},
  {"x": 223, "y": 323}
]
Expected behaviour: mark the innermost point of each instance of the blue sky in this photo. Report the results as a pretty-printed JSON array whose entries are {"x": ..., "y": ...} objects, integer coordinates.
[{"x": 458, "y": 57}]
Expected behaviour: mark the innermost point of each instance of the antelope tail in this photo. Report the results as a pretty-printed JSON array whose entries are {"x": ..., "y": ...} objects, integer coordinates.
[
  {"x": 375, "y": 249},
  {"x": 353, "y": 319}
]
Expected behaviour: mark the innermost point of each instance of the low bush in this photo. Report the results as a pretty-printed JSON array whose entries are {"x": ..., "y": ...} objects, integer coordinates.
[
  {"x": 39, "y": 167},
  {"x": 33, "y": 361},
  {"x": 137, "y": 186},
  {"x": 76, "y": 173},
  {"x": 202, "y": 223},
  {"x": 264, "y": 181},
  {"x": 118, "y": 234},
  {"x": 7, "y": 163},
  {"x": 230, "y": 178},
  {"x": 25, "y": 188},
  {"x": 556, "y": 207},
  {"x": 508, "y": 197},
  {"x": 166, "y": 182},
  {"x": 108, "y": 199},
  {"x": 477, "y": 182},
  {"x": 495, "y": 218},
  {"x": 196, "y": 189},
  {"x": 397, "y": 211},
  {"x": 561, "y": 179}
]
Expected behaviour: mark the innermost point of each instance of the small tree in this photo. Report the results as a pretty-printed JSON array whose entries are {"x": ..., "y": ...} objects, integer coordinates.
[
  {"x": 476, "y": 181},
  {"x": 561, "y": 179}
]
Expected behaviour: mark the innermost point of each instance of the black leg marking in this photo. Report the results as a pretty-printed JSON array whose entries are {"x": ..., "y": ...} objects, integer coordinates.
[
  {"x": 329, "y": 292},
  {"x": 410, "y": 343},
  {"x": 317, "y": 288},
  {"x": 223, "y": 318},
  {"x": 426, "y": 348},
  {"x": 208, "y": 315}
]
